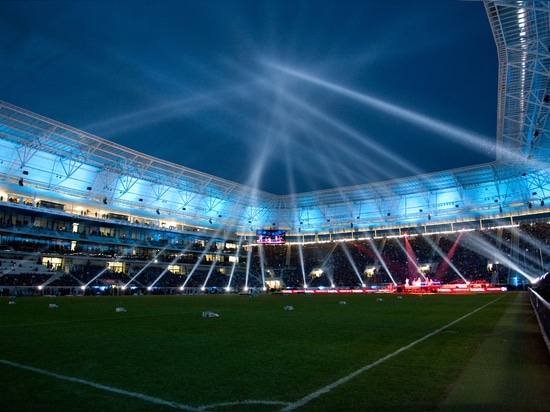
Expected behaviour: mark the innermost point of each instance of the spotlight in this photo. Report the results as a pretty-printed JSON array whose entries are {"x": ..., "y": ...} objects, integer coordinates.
[
  {"x": 500, "y": 209},
  {"x": 429, "y": 217},
  {"x": 140, "y": 199},
  {"x": 210, "y": 220},
  {"x": 536, "y": 133},
  {"x": 89, "y": 188},
  {"x": 21, "y": 182},
  {"x": 104, "y": 200},
  {"x": 546, "y": 98},
  {"x": 158, "y": 212},
  {"x": 184, "y": 208},
  {"x": 542, "y": 202},
  {"x": 530, "y": 205},
  {"x": 25, "y": 172}
]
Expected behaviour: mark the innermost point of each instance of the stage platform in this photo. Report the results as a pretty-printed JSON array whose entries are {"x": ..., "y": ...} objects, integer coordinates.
[{"x": 406, "y": 289}]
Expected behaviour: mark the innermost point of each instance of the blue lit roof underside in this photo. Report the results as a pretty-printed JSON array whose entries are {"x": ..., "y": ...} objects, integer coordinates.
[{"x": 63, "y": 160}]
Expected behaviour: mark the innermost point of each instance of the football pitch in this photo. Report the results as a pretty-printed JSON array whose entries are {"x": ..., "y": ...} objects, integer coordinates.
[{"x": 352, "y": 352}]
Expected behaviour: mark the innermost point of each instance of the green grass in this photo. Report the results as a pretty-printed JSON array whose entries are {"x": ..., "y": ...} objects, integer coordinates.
[{"x": 162, "y": 347}]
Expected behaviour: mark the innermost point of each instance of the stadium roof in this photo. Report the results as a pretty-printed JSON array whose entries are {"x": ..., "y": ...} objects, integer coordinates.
[{"x": 57, "y": 158}]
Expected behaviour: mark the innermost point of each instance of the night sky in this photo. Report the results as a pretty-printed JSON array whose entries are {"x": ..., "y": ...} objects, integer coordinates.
[{"x": 285, "y": 96}]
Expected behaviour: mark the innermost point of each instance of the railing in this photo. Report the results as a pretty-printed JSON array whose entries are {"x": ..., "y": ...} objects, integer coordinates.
[{"x": 542, "y": 310}]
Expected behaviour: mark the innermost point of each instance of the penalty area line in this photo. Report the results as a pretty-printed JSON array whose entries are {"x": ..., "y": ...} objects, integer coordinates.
[
  {"x": 141, "y": 396},
  {"x": 352, "y": 375}
]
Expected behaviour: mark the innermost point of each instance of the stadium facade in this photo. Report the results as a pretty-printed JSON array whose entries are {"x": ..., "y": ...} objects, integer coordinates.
[{"x": 92, "y": 192}]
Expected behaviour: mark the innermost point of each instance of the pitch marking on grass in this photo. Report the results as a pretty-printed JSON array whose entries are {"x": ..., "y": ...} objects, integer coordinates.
[
  {"x": 352, "y": 375},
  {"x": 116, "y": 317},
  {"x": 245, "y": 402},
  {"x": 141, "y": 396}
]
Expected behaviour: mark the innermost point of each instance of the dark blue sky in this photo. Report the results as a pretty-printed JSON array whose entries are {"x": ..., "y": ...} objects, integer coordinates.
[{"x": 286, "y": 96}]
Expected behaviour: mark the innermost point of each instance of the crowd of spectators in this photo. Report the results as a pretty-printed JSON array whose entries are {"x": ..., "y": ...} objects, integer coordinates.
[{"x": 449, "y": 258}]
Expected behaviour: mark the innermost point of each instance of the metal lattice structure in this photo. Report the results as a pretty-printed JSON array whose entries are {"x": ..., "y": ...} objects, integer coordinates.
[{"x": 57, "y": 159}]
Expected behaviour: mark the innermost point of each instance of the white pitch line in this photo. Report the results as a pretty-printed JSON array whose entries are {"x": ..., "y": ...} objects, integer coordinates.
[
  {"x": 116, "y": 317},
  {"x": 352, "y": 375},
  {"x": 141, "y": 396},
  {"x": 216, "y": 406}
]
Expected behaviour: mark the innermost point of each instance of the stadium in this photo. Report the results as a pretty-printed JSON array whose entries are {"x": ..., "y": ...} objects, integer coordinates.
[
  {"x": 74, "y": 199},
  {"x": 83, "y": 216}
]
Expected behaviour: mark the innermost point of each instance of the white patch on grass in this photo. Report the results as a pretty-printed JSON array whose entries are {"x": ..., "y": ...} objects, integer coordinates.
[{"x": 209, "y": 314}]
